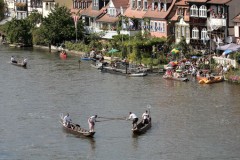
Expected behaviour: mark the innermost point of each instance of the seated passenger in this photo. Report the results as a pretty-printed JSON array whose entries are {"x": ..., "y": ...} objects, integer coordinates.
[
  {"x": 67, "y": 120},
  {"x": 145, "y": 117}
]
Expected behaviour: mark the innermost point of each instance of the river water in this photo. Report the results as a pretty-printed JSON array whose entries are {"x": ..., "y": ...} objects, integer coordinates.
[{"x": 190, "y": 121}]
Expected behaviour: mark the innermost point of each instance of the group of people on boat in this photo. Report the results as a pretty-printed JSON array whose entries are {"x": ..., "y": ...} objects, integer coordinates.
[
  {"x": 13, "y": 60},
  {"x": 67, "y": 121},
  {"x": 134, "y": 118}
]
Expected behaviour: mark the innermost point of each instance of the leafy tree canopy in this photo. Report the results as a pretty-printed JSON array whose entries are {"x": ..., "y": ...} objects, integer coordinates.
[{"x": 59, "y": 26}]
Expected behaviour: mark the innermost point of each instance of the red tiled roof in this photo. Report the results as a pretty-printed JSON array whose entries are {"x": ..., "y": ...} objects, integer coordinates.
[
  {"x": 92, "y": 13},
  {"x": 120, "y": 3},
  {"x": 134, "y": 13},
  {"x": 218, "y": 1},
  {"x": 108, "y": 19},
  {"x": 160, "y": 14},
  {"x": 75, "y": 11},
  {"x": 197, "y": 1},
  {"x": 210, "y": 1},
  {"x": 181, "y": 3}
]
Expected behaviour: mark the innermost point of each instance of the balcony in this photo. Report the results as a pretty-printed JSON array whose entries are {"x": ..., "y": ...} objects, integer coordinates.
[
  {"x": 218, "y": 22},
  {"x": 21, "y": 6}
]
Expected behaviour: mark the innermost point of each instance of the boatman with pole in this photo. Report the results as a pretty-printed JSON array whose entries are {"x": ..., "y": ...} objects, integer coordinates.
[
  {"x": 134, "y": 119},
  {"x": 91, "y": 122}
]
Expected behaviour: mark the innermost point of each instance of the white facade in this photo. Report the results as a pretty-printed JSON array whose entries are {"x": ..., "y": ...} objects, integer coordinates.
[
  {"x": 46, "y": 8},
  {"x": 35, "y": 5}
]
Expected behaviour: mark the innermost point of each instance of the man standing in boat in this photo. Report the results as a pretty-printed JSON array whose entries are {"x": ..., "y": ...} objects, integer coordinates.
[
  {"x": 91, "y": 122},
  {"x": 134, "y": 119},
  {"x": 67, "y": 120},
  {"x": 145, "y": 117}
]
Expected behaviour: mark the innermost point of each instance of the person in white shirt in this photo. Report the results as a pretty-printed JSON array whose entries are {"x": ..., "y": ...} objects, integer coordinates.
[
  {"x": 67, "y": 120},
  {"x": 145, "y": 117},
  {"x": 134, "y": 119},
  {"x": 25, "y": 61},
  {"x": 13, "y": 60},
  {"x": 91, "y": 122}
]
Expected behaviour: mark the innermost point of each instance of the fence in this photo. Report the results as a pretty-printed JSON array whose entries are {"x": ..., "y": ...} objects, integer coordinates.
[{"x": 225, "y": 61}]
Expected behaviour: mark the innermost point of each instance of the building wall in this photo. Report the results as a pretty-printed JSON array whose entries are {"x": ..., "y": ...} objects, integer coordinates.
[{"x": 67, "y": 3}]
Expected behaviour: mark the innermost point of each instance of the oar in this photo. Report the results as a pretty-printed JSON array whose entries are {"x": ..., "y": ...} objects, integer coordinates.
[
  {"x": 149, "y": 107},
  {"x": 109, "y": 118}
]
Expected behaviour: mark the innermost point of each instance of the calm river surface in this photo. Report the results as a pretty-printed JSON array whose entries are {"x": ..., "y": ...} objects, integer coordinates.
[{"x": 190, "y": 121}]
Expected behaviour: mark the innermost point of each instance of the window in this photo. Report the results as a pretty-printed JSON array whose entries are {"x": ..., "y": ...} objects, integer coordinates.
[
  {"x": 163, "y": 27},
  {"x": 194, "y": 11},
  {"x": 133, "y": 4},
  {"x": 145, "y": 5},
  {"x": 111, "y": 11},
  {"x": 179, "y": 11},
  {"x": 183, "y": 31},
  {"x": 95, "y": 2},
  {"x": 195, "y": 33},
  {"x": 178, "y": 32},
  {"x": 187, "y": 33},
  {"x": 203, "y": 11},
  {"x": 204, "y": 34},
  {"x": 155, "y": 27},
  {"x": 159, "y": 6},
  {"x": 139, "y": 4},
  {"x": 151, "y": 26}
]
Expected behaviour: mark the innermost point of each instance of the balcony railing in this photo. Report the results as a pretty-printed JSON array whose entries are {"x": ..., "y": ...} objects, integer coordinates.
[{"x": 220, "y": 22}]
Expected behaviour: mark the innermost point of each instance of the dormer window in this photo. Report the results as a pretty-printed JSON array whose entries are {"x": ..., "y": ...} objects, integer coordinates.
[
  {"x": 95, "y": 3},
  {"x": 139, "y": 4},
  {"x": 159, "y": 6},
  {"x": 179, "y": 11},
  {"x": 203, "y": 11},
  {"x": 194, "y": 11},
  {"x": 145, "y": 5},
  {"x": 112, "y": 12},
  {"x": 165, "y": 7}
]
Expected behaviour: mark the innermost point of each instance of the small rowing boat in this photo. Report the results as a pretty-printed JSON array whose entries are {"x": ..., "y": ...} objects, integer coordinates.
[
  {"x": 24, "y": 65},
  {"x": 183, "y": 79},
  {"x": 76, "y": 129},
  {"x": 63, "y": 55}
]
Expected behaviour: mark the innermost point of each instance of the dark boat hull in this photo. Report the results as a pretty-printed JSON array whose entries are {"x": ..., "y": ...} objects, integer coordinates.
[
  {"x": 19, "y": 64},
  {"x": 142, "y": 128},
  {"x": 113, "y": 71},
  {"x": 183, "y": 79}
]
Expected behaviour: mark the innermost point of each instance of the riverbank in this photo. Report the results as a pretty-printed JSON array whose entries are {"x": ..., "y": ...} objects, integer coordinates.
[{"x": 58, "y": 49}]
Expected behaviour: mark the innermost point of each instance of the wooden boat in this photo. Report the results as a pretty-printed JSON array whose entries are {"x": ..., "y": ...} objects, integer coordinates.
[
  {"x": 113, "y": 70},
  {"x": 76, "y": 129},
  {"x": 212, "y": 79},
  {"x": 97, "y": 65},
  {"x": 88, "y": 59},
  {"x": 63, "y": 55},
  {"x": 24, "y": 65},
  {"x": 183, "y": 79},
  {"x": 142, "y": 128}
]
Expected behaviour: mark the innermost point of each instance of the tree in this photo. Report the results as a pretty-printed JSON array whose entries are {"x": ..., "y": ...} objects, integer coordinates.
[
  {"x": 18, "y": 31},
  {"x": 59, "y": 26},
  {"x": 2, "y": 9}
]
